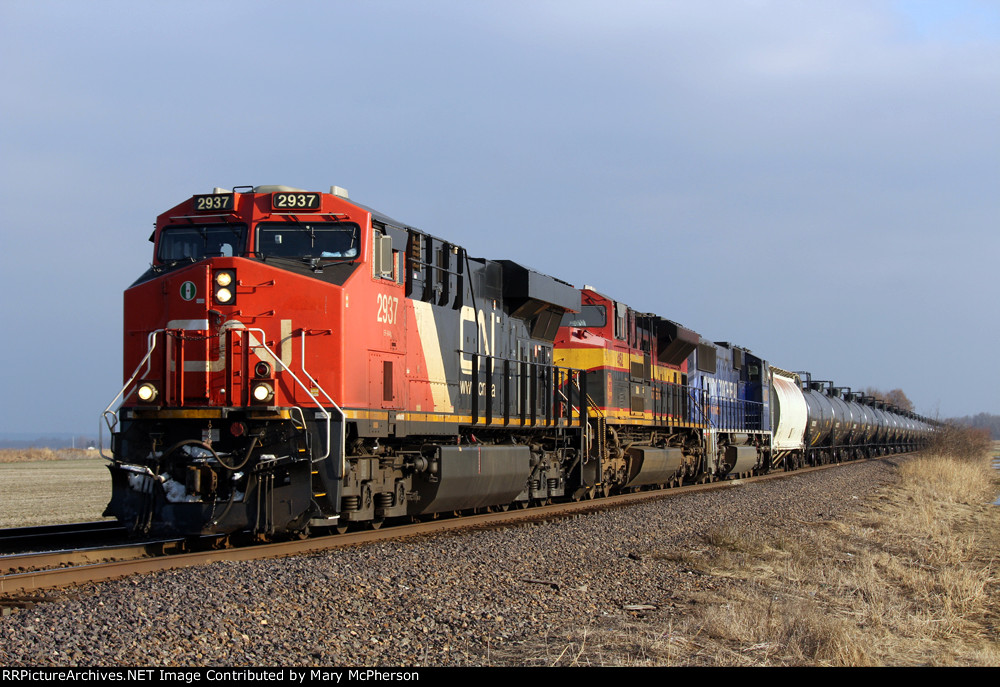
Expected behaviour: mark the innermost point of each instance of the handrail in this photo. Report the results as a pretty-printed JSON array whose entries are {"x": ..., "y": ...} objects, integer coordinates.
[
  {"x": 284, "y": 367},
  {"x": 533, "y": 374},
  {"x": 151, "y": 345},
  {"x": 121, "y": 396},
  {"x": 343, "y": 416},
  {"x": 590, "y": 401}
]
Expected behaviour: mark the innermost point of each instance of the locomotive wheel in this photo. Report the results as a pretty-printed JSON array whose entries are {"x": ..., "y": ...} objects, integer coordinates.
[
  {"x": 376, "y": 524},
  {"x": 340, "y": 529}
]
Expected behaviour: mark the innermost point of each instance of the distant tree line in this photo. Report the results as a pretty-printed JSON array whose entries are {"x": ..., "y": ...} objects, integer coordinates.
[
  {"x": 985, "y": 421},
  {"x": 896, "y": 397}
]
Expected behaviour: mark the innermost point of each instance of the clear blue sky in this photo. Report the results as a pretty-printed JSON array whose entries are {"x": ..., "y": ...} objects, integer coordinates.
[{"x": 818, "y": 181}]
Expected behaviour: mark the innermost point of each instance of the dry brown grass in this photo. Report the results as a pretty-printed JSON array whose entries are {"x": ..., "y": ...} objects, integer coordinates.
[{"x": 910, "y": 579}]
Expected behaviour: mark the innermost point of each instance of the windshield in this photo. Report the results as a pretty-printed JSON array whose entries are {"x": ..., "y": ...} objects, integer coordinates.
[
  {"x": 197, "y": 242},
  {"x": 589, "y": 316},
  {"x": 294, "y": 240}
]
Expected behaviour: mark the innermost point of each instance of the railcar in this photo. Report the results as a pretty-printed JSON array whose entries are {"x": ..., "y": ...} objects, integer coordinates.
[
  {"x": 816, "y": 422},
  {"x": 297, "y": 360}
]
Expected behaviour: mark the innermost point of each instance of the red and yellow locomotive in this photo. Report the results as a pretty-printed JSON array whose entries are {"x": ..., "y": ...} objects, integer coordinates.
[{"x": 655, "y": 418}]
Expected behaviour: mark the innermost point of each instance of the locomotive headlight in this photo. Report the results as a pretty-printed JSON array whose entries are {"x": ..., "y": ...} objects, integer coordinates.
[
  {"x": 146, "y": 392},
  {"x": 224, "y": 287},
  {"x": 263, "y": 393}
]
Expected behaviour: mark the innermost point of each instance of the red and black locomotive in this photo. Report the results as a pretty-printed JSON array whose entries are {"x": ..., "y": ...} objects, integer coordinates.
[{"x": 295, "y": 360}]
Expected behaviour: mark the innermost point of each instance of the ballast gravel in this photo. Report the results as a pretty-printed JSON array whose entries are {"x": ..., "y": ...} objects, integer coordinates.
[{"x": 477, "y": 598}]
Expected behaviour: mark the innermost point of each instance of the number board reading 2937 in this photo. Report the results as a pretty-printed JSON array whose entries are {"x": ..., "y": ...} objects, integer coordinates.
[
  {"x": 215, "y": 201},
  {"x": 295, "y": 201}
]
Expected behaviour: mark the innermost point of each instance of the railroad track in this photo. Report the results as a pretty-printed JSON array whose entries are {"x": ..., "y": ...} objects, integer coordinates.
[{"x": 30, "y": 574}]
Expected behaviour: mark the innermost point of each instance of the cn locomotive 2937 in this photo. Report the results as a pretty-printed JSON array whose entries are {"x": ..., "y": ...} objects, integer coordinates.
[{"x": 295, "y": 360}]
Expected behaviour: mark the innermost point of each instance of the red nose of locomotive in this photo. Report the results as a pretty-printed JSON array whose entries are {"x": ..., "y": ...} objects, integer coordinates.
[
  {"x": 203, "y": 336},
  {"x": 233, "y": 363}
]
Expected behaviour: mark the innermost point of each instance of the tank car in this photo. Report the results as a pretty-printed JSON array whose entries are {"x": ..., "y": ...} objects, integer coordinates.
[
  {"x": 815, "y": 423},
  {"x": 789, "y": 416},
  {"x": 297, "y": 360}
]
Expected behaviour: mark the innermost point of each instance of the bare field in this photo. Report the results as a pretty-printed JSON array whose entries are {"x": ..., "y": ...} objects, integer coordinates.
[
  {"x": 25, "y": 455},
  {"x": 53, "y": 490}
]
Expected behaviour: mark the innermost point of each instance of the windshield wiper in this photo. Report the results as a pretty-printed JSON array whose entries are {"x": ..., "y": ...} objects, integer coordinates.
[
  {"x": 174, "y": 263},
  {"x": 315, "y": 264},
  {"x": 319, "y": 264}
]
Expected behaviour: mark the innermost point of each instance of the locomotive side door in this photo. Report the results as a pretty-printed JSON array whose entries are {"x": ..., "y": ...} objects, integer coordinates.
[{"x": 387, "y": 353}]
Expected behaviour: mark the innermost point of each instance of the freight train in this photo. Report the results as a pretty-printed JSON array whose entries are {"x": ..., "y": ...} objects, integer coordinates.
[{"x": 296, "y": 361}]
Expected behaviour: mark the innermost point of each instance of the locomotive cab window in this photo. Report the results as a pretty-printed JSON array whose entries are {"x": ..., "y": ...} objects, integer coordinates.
[
  {"x": 196, "y": 242},
  {"x": 589, "y": 316},
  {"x": 294, "y": 240}
]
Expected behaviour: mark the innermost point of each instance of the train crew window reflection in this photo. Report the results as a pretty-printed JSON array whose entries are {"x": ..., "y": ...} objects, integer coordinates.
[
  {"x": 282, "y": 239},
  {"x": 589, "y": 316},
  {"x": 197, "y": 242}
]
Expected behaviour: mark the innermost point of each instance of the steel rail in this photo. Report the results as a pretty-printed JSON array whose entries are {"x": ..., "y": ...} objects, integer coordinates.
[
  {"x": 13, "y": 539},
  {"x": 47, "y": 560}
]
